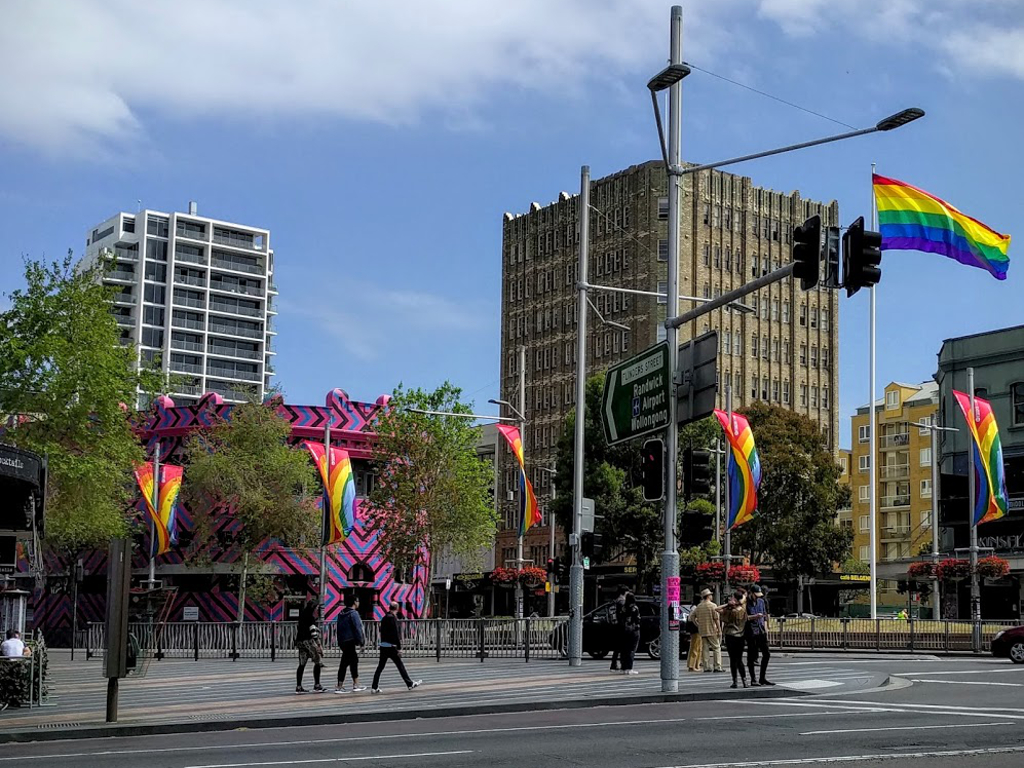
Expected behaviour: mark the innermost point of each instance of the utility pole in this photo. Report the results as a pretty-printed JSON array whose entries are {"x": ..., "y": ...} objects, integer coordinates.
[
  {"x": 576, "y": 569},
  {"x": 670, "y": 555},
  {"x": 522, "y": 488}
]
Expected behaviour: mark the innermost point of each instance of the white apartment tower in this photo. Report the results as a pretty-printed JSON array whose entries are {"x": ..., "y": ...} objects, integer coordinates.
[{"x": 198, "y": 293}]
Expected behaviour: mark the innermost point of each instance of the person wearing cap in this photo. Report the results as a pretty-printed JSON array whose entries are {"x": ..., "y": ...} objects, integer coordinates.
[
  {"x": 757, "y": 635},
  {"x": 709, "y": 623}
]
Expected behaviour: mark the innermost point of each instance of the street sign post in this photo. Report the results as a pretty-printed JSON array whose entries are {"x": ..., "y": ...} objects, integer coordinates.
[
  {"x": 697, "y": 379},
  {"x": 636, "y": 394}
]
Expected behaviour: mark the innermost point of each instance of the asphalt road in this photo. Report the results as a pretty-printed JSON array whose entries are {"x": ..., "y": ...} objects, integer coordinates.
[{"x": 948, "y": 713}]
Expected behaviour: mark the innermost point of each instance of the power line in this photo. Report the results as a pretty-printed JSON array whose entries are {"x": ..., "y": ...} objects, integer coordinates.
[{"x": 771, "y": 96}]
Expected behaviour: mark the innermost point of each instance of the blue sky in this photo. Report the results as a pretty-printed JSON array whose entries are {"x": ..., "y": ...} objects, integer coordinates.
[{"x": 381, "y": 146}]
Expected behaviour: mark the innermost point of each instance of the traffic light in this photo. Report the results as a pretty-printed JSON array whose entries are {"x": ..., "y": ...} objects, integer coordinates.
[
  {"x": 592, "y": 544},
  {"x": 654, "y": 470},
  {"x": 862, "y": 255},
  {"x": 696, "y": 473},
  {"x": 807, "y": 252},
  {"x": 695, "y": 528},
  {"x": 552, "y": 569}
]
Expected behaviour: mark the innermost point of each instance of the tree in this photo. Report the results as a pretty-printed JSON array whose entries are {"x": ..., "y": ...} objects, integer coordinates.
[
  {"x": 245, "y": 467},
  {"x": 69, "y": 381},
  {"x": 794, "y": 528},
  {"x": 431, "y": 489}
]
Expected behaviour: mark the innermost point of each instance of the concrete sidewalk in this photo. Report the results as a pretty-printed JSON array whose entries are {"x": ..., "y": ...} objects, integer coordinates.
[{"x": 184, "y": 695}]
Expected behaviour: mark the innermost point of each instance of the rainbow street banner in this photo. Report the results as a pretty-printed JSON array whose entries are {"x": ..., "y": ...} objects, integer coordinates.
[
  {"x": 744, "y": 468},
  {"x": 990, "y": 500},
  {"x": 339, "y": 491},
  {"x": 529, "y": 510},
  {"x": 165, "y": 521}
]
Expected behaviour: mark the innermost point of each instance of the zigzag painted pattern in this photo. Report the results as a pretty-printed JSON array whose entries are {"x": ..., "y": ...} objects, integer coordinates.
[{"x": 351, "y": 427}]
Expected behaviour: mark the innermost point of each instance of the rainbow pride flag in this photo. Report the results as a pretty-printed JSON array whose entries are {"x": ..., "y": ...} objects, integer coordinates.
[
  {"x": 165, "y": 520},
  {"x": 910, "y": 219},
  {"x": 744, "y": 468},
  {"x": 339, "y": 491},
  {"x": 989, "y": 472},
  {"x": 529, "y": 509}
]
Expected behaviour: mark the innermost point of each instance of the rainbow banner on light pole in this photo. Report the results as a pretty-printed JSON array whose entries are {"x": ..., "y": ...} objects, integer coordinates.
[
  {"x": 744, "y": 468},
  {"x": 529, "y": 509},
  {"x": 339, "y": 491},
  {"x": 165, "y": 520},
  {"x": 990, "y": 499}
]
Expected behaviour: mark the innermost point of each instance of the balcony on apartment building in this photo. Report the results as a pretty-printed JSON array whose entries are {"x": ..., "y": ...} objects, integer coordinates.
[
  {"x": 899, "y": 500},
  {"x": 238, "y": 263},
  {"x": 897, "y": 440},
  {"x": 895, "y": 471},
  {"x": 120, "y": 275},
  {"x": 237, "y": 239},
  {"x": 235, "y": 307},
  {"x": 193, "y": 230}
]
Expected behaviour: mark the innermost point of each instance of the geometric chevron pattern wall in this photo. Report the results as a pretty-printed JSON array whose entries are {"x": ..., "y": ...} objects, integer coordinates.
[{"x": 355, "y": 564}]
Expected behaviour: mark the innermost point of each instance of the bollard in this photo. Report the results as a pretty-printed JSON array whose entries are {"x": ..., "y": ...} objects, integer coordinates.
[
  {"x": 812, "y": 633},
  {"x": 195, "y": 637},
  {"x": 273, "y": 641},
  {"x": 845, "y": 622},
  {"x": 482, "y": 653},
  {"x": 526, "y": 639},
  {"x": 159, "y": 645},
  {"x": 878, "y": 634},
  {"x": 945, "y": 636},
  {"x": 437, "y": 639},
  {"x": 912, "y": 637},
  {"x": 234, "y": 641}
]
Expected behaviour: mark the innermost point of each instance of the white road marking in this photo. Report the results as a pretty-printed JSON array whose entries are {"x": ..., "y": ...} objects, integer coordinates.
[
  {"x": 341, "y": 739},
  {"x": 845, "y": 713},
  {"x": 336, "y": 759},
  {"x": 857, "y": 758},
  {"x": 904, "y": 709},
  {"x": 906, "y": 728},
  {"x": 994, "y": 671},
  {"x": 965, "y": 682}
]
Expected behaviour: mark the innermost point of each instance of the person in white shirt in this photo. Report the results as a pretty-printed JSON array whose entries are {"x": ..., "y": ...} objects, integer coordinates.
[{"x": 13, "y": 647}]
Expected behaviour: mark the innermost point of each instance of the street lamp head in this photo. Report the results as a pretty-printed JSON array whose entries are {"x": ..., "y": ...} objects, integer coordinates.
[
  {"x": 742, "y": 308},
  {"x": 492, "y": 401},
  {"x": 669, "y": 76},
  {"x": 899, "y": 119}
]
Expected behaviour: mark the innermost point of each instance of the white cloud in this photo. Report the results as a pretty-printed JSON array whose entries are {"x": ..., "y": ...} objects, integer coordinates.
[{"x": 79, "y": 76}]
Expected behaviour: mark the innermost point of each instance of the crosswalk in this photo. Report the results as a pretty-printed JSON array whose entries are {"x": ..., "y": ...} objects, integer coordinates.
[{"x": 209, "y": 690}]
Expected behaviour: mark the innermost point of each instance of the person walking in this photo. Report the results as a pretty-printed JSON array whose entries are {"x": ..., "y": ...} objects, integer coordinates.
[
  {"x": 391, "y": 648},
  {"x": 350, "y": 635},
  {"x": 618, "y": 632},
  {"x": 757, "y": 636},
  {"x": 695, "y": 657},
  {"x": 734, "y": 625},
  {"x": 709, "y": 624},
  {"x": 630, "y": 633},
  {"x": 307, "y": 641}
]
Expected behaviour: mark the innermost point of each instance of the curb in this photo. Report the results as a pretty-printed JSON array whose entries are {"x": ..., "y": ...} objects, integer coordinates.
[{"x": 340, "y": 718}]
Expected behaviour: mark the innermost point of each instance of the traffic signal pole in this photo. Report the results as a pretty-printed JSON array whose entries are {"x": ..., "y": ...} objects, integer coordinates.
[
  {"x": 670, "y": 555},
  {"x": 728, "y": 497}
]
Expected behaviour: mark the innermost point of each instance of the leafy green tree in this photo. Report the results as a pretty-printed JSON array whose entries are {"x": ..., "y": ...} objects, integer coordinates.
[
  {"x": 244, "y": 464},
  {"x": 431, "y": 488},
  {"x": 65, "y": 375},
  {"x": 794, "y": 529}
]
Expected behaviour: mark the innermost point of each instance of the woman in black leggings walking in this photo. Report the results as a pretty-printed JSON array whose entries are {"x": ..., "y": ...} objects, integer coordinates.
[{"x": 734, "y": 623}]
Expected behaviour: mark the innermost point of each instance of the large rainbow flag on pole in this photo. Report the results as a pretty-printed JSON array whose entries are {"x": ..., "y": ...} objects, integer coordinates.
[
  {"x": 165, "y": 520},
  {"x": 529, "y": 510},
  {"x": 989, "y": 472},
  {"x": 339, "y": 491},
  {"x": 744, "y": 468},
  {"x": 910, "y": 219}
]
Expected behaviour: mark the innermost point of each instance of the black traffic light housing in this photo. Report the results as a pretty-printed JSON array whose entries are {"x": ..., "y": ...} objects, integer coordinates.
[
  {"x": 862, "y": 257},
  {"x": 592, "y": 544},
  {"x": 552, "y": 568},
  {"x": 695, "y": 528},
  {"x": 654, "y": 470},
  {"x": 696, "y": 473},
  {"x": 807, "y": 252}
]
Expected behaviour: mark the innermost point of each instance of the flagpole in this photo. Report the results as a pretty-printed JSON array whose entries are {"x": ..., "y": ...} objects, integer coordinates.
[
  {"x": 972, "y": 490},
  {"x": 323, "y": 523},
  {"x": 873, "y": 449},
  {"x": 728, "y": 496},
  {"x": 156, "y": 511}
]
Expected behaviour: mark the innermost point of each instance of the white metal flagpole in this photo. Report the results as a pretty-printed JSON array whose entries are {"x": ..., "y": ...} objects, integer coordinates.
[{"x": 873, "y": 437}]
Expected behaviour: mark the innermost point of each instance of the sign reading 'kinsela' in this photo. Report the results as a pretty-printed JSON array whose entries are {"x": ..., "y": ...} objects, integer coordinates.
[{"x": 636, "y": 396}]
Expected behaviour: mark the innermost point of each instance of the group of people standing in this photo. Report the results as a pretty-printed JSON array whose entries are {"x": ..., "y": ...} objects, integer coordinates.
[
  {"x": 743, "y": 622},
  {"x": 351, "y": 637}
]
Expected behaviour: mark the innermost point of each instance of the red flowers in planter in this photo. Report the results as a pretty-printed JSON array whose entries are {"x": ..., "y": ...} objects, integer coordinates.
[
  {"x": 711, "y": 573},
  {"x": 993, "y": 567},
  {"x": 528, "y": 574},
  {"x": 951, "y": 568},
  {"x": 744, "y": 574},
  {"x": 922, "y": 570}
]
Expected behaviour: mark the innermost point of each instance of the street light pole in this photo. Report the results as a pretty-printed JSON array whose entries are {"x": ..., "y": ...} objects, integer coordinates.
[
  {"x": 526, "y": 475},
  {"x": 670, "y": 555},
  {"x": 971, "y": 491},
  {"x": 576, "y": 569},
  {"x": 934, "y": 429}
]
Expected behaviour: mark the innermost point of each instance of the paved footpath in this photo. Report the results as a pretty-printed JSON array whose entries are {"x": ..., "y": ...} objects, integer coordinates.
[{"x": 185, "y": 694}]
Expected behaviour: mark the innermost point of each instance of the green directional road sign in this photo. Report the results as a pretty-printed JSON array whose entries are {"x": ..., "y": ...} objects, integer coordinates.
[{"x": 636, "y": 396}]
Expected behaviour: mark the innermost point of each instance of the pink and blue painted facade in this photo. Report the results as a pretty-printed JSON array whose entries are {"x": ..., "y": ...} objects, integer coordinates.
[{"x": 355, "y": 565}]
